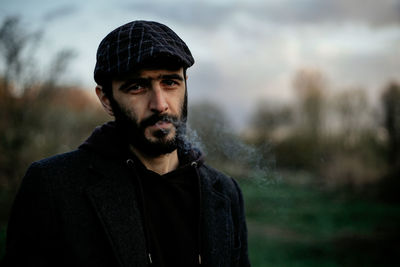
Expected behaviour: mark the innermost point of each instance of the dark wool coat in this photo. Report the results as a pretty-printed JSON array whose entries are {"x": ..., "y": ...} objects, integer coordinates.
[{"x": 81, "y": 209}]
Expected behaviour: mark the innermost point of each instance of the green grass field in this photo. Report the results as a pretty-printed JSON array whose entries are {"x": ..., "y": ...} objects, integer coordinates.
[
  {"x": 292, "y": 225},
  {"x": 305, "y": 226}
]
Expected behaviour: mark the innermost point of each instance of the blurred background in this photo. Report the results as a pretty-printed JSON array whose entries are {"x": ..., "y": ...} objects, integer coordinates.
[{"x": 298, "y": 100}]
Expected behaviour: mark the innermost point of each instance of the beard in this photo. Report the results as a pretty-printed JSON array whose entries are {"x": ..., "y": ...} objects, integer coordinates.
[{"x": 162, "y": 141}]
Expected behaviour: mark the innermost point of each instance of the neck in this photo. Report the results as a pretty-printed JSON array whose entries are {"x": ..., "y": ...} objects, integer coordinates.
[{"x": 162, "y": 164}]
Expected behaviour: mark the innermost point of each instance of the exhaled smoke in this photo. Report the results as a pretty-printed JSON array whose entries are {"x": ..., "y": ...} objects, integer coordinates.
[
  {"x": 192, "y": 140},
  {"x": 226, "y": 151}
]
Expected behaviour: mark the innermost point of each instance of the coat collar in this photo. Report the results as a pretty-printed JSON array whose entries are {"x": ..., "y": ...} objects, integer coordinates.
[
  {"x": 115, "y": 202},
  {"x": 216, "y": 221}
]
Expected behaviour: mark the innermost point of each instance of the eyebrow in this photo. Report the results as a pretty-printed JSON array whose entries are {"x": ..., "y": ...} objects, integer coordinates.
[
  {"x": 171, "y": 77},
  {"x": 138, "y": 79}
]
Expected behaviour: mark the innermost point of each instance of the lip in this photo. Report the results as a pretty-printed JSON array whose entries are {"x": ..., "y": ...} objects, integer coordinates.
[{"x": 161, "y": 125}]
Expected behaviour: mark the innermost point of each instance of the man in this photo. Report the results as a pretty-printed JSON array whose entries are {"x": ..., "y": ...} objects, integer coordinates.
[{"x": 135, "y": 193}]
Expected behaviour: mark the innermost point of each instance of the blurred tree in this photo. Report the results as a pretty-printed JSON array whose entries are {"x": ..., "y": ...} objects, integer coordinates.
[
  {"x": 36, "y": 119},
  {"x": 15, "y": 42},
  {"x": 310, "y": 86},
  {"x": 352, "y": 149},
  {"x": 334, "y": 137},
  {"x": 39, "y": 115},
  {"x": 302, "y": 147},
  {"x": 58, "y": 66},
  {"x": 391, "y": 107},
  {"x": 294, "y": 132},
  {"x": 271, "y": 123},
  {"x": 16, "y": 50},
  {"x": 353, "y": 115},
  {"x": 388, "y": 188}
]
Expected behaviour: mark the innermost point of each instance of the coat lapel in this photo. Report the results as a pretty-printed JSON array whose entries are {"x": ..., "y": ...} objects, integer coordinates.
[
  {"x": 217, "y": 224},
  {"x": 114, "y": 201}
]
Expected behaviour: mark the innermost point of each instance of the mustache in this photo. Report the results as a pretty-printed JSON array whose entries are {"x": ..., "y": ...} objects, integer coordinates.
[{"x": 153, "y": 119}]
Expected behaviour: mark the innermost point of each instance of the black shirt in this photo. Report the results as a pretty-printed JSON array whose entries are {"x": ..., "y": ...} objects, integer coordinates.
[{"x": 171, "y": 215}]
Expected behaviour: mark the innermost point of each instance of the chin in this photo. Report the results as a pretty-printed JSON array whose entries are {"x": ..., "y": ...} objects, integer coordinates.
[
  {"x": 161, "y": 136},
  {"x": 157, "y": 142},
  {"x": 159, "y": 147}
]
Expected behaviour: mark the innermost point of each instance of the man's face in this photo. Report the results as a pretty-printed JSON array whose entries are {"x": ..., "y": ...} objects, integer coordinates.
[{"x": 149, "y": 105}]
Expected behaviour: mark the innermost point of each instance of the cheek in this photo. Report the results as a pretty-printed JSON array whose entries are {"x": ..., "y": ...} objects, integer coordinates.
[
  {"x": 130, "y": 112},
  {"x": 137, "y": 111},
  {"x": 178, "y": 104},
  {"x": 131, "y": 109}
]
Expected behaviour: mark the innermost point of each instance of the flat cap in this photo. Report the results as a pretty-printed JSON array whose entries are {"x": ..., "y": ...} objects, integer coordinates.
[{"x": 130, "y": 45}]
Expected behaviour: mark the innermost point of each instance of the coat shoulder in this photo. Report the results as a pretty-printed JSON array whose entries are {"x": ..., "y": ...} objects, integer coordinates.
[
  {"x": 61, "y": 169},
  {"x": 221, "y": 182},
  {"x": 75, "y": 157}
]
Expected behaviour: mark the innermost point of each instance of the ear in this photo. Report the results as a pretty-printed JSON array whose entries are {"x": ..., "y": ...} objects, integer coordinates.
[{"x": 104, "y": 100}]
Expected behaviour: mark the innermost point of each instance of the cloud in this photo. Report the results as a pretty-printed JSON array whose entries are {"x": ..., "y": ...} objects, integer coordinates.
[
  {"x": 211, "y": 15},
  {"x": 188, "y": 13},
  {"x": 60, "y": 12},
  {"x": 339, "y": 11},
  {"x": 375, "y": 13}
]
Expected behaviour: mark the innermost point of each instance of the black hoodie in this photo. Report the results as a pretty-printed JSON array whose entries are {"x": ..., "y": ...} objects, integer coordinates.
[{"x": 169, "y": 203}]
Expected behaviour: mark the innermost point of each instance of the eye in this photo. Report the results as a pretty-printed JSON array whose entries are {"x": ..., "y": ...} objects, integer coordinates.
[
  {"x": 170, "y": 83},
  {"x": 135, "y": 88}
]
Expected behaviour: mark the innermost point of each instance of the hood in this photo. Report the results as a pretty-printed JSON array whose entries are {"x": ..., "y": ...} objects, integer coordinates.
[{"x": 110, "y": 141}]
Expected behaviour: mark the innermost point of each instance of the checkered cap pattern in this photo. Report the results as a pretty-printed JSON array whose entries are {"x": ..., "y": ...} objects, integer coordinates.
[{"x": 126, "y": 47}]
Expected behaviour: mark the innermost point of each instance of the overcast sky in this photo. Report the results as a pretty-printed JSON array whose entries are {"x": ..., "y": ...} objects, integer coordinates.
[{"x": 246, "y": 51}]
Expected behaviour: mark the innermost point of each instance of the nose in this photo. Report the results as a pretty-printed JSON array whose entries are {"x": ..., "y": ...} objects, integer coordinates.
[{"x": 158, "y": 103}]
